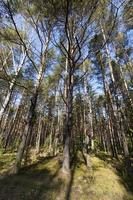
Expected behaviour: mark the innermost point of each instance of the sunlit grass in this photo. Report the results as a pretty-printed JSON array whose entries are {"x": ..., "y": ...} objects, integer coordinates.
[
  {"x": 6, "y": 162},
  {"x": 42, "y": 180}
]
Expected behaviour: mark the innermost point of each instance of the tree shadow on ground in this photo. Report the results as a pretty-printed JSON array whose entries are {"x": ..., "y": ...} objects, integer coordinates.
[
  {"x": 76, "y": 162},
  {"x": 69, "y": 186},
  {"x": 33, "y": 182}
]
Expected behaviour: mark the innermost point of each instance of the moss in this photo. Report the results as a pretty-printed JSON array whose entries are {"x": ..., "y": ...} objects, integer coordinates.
[
  {"x": 6, "y": 162},
  {"x": 101, "y": 182},
  {"x": 41, "y": 180}
]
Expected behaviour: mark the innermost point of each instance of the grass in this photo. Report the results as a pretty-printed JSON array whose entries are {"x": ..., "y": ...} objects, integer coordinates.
[
  {"x": 6, "y": 162},
  {"x": 42, "y": 180},
  {"x": 120, "y": 166}
]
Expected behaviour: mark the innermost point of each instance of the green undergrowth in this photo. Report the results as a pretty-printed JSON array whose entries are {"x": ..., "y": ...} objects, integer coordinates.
[
  {"x": 42, "y": 180},
  {"x": 6, "y": 162}
]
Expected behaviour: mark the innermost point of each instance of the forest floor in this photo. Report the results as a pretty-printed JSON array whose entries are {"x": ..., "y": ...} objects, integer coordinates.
[{"x": 42, "y": 180}]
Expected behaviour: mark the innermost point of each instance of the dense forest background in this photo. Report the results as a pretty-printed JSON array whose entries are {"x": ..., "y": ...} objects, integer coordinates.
[{"x": 66, "y": 83}]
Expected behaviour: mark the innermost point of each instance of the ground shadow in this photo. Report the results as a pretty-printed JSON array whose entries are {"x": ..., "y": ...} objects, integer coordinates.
[
  {"x": 69, "y": 187},
  {"x": 34, "y": 182},
  {"x": 76, "y": 161}
]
